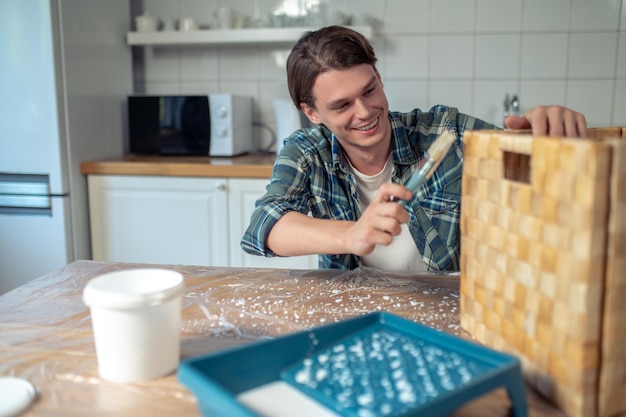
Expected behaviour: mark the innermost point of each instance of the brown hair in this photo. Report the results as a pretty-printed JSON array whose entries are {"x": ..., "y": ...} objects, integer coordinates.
[{"x": 317, "y": 52}]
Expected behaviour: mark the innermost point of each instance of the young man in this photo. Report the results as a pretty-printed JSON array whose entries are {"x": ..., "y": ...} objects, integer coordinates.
[{"x": 347, "y": 173}]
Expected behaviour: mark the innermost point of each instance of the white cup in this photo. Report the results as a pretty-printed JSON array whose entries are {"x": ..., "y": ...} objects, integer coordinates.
[
  {"x": 135, "y": 315},
  {"x": 239, "y": 20},
  {"x": 224, "y": 17},
  {"x": 146, "y": 23},
  {"x": 187, "y": 24}
]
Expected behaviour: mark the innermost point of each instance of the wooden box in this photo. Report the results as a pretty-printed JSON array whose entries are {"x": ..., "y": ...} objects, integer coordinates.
[{"x": 543, "y": 261}]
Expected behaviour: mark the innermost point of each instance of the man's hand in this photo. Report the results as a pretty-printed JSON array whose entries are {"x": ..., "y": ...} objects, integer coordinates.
[
  {"x": 550, "y": 121},
  {"x": 298, "y": 234},
  {"x": 380, "y": 221}
]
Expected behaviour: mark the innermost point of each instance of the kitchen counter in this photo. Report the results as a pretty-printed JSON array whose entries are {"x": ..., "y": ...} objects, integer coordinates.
[
  {"x": 258, "y": 165},
  {"x": 46, "y": 336}
]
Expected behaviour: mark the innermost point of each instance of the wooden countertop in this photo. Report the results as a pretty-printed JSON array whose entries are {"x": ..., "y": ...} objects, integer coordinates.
[
  {"x": 245, "y": 166},
  {"x": 46, "y": 335}
]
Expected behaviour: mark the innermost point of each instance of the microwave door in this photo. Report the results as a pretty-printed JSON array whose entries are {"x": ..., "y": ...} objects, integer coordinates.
[{"x": 169, "y": 125}]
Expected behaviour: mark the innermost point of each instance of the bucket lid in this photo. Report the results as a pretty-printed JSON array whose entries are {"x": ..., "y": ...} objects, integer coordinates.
[
  {"x": 16, "y": 394},
  {"x": 132, "y": 288}
]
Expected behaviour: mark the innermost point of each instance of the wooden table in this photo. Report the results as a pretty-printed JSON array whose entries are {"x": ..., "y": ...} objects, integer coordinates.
[{"x": 46, "y": 337}]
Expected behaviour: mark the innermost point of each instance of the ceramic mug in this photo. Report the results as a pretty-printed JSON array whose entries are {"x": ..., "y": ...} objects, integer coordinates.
[
  {"x": 187, "y": 24},
  {"x": 224, "y": 17},
  {"x": 239, "y": 20},
  {"x": 146, "y": 23}
]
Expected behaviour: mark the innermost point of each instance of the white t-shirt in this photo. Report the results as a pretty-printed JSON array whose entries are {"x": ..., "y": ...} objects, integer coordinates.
[{"x": 401, "y": 255}]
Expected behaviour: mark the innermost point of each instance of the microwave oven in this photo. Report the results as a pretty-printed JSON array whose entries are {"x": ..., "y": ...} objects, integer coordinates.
[{"x": 213, "y": 124}]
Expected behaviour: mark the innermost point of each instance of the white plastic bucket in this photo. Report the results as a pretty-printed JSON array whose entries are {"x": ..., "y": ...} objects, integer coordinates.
[{"x": 135, "y": 315}]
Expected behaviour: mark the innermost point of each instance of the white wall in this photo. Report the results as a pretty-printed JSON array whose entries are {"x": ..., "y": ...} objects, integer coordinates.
[{"x": 465, "y": 53}]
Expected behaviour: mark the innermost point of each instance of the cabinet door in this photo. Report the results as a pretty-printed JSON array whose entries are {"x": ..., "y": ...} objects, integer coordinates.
[
  {"x": 159, "y": 220},
  {"x": 242, "y": 197}
]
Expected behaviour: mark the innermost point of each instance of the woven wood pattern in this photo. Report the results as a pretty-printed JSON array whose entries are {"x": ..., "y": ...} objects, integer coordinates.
[{"x": 543, "y": 242}]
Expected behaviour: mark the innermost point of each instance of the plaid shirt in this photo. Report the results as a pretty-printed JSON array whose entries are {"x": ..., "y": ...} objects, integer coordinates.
[{"x": 312, "y": 176}]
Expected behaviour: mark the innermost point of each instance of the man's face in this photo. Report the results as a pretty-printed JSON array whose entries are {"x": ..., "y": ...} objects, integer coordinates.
[{"x": 351, "y": 103}]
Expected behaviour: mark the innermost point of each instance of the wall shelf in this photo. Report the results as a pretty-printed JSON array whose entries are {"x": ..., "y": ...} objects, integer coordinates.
[{"x": 225, "y": 37}]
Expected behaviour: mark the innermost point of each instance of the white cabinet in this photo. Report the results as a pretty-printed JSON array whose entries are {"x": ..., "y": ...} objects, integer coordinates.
[
  {"x": 176, "y": 220},
  {"x": 242, "y": 195},
  {"x": 162, "y": 220}
]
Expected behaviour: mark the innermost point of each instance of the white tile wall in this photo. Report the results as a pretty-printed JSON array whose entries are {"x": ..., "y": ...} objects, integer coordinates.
[
  {"x": 199, "y": 64},
  {"x": 497, "y": 56},
  {"x": 406, "y": 94},
  {"x": 546, "y": 16},
  {"x": 406, "y": 17},
  {"x": 621, "y": 55},
  {"x": 592, "y": 97},
  {"x": 451, "y": 16},
  {"x": 238, "y": 63},
  {"x": 489, "y": 96},
  {"x": 404, "y": 57},
  {"x": 466, "y": 53},
  {"x": 499, "y": 16},
  {"x": 458, "y": 63},
  {"x": 542, "y": 92},
  {"x": 544, "y": 55},
  {"x": 202, "y": 10},
  {"x": 164, "y": 9},
  {"x": 592, "y": 55},
  {"x": 619, "y": 105},
  {"x": 459, "y": 92},
  {"x": 162, "y": 65},
  {"x": 595, "y": 15}
]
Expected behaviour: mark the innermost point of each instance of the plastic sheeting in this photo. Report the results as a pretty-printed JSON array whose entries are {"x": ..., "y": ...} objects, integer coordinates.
[{"x": 46, "y": 337}]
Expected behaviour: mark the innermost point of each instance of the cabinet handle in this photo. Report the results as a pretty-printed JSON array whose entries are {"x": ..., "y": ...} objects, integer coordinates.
[{"x": 221, "y": 187}]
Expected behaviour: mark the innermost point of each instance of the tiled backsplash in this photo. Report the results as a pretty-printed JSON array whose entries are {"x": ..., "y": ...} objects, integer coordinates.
[{"x": 463, "y": 53}]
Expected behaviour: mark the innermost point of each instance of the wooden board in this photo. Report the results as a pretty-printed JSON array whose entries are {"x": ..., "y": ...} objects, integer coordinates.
[{"x": 244, "y": 166}]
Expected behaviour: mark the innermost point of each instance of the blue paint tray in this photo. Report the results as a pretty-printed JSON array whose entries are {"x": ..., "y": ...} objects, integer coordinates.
[{"x": 378, "y": 364}]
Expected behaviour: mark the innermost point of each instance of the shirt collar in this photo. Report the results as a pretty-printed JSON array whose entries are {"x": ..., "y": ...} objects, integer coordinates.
[
  {"x": 402, "y": 150},
  {"x": 339, "y": 161}
]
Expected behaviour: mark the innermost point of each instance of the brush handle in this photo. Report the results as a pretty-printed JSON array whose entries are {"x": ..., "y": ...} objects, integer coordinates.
[{"x": 418, "y": 178}]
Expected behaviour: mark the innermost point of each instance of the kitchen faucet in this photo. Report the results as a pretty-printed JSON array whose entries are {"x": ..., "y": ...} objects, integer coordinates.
[{"x": 511, "y": 106}]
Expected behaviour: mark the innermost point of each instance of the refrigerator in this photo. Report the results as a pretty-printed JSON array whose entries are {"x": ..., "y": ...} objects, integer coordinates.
[{"x": 65, "y": 71}]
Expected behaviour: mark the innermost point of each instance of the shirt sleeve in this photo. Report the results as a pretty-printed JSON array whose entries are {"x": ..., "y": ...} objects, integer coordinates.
[
  {"x": 286, "y": 192},
  {"x": 466, "y": 122},
  {"x": 436, "y": 209}
]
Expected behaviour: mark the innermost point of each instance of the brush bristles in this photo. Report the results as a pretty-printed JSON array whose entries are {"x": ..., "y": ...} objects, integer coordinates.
[{"x": 439, "y": 149}]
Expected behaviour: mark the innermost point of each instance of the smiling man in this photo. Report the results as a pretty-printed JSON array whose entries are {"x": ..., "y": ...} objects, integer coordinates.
[{"x": 334, "y": 186}]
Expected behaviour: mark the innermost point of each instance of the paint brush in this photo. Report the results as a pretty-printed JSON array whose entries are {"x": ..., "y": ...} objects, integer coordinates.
[{"x": 434, "y": 156}]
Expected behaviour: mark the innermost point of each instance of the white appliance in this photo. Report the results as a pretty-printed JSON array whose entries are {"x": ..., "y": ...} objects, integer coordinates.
[
  {"x": 288, "y": 120},
  {"x": 213, "y": 124},
  {"x": 231, "y": 127},
  {"x": 64, "y": 75}
]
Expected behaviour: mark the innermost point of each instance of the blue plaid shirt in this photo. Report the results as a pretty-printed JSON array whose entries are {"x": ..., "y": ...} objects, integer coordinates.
[{"x": 312, "y": 176}]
